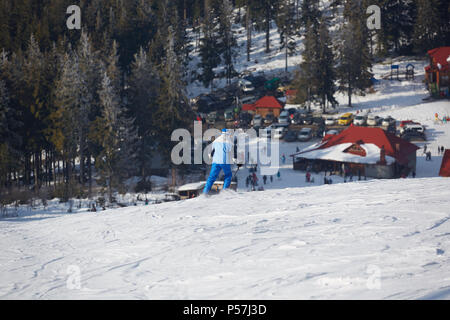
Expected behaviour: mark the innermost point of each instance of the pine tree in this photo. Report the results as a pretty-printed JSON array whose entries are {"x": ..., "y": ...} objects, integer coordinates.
[
  {"x": 209, "y": 55},
  {"x": 354, "y": 61},
  {"x": 427, "y": 26},
  {"x": 325, "y": 70},
  {"x": 228, "y": 42},
  {"x": 117, "y": 138},
  {"x": 288, "y": 27},
  {"x": 173, "y": 108},
  {"x": 88, "y": 97},
  {"x": 143, "y": 90},
  {"x": 305, "y": 79}
]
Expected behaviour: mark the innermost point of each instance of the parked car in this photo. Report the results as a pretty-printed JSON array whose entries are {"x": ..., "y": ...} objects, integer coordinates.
[
  {"x": 389, "y": 121},
  {"x": 308, "y": 120},
  {"x": 319, "y": 121},
  {"x": 256, "y": 81},
  {"x": 246, "y": 86},
  {"x": 257, "y": 121},
  {"x": 206, "y": 103},
  {"x": 248, "y": 100},
  {"x": 346, "y": 119},
  {"x": 290, "y": 136},
  {"x": 211, "y": 117},
  {"x": 297, "y": 119},
  {"x": 330, "y": 121},
  {"x": 373, "y": 120},
  {"x": 229, "y": 115},
  {"x": 359, "y": 121},
  {"x": 284, "y": 118},
  {"x": 412, "y": 127},
  {"x": 305, "y": 134},
  {"x": 332, "y": 132},
  {"x": 269, "y": 119},
  {"x": 245, "y": 119},
  {"x": 412, "y": 135},
  {"x": 407, "y": 122},
  {"x": 279, "y": 132}
]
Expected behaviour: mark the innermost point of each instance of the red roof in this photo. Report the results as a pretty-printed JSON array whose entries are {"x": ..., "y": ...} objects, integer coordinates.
[
  {"x": 248, "y": 107},
  {"x": 394, "y": 146},
  {"x": 268, "y": 102},
  {"x": 291, "y": 92},
  {"x": 440, "y": 55},
  {"x": 445, "y": 167}
]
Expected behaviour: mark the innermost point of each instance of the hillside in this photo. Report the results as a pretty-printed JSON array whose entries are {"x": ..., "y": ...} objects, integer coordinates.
[{"x": 314, "y": 243}]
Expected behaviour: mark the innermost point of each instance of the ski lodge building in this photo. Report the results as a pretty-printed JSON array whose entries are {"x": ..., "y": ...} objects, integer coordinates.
[
  {"x": 265, "y": 105},
  {"x": 370, "y": 152},
  {"x": 445, "y": 166},
  {"x": 438, "y": 72}
]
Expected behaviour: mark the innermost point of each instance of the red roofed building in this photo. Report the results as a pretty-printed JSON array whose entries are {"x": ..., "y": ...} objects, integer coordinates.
[
  {"x": 438, "y": 72},
  {"x": 291, "y": 95},
  {"x": 445, "y": 167},
  {"x": 265, "y": 105},
  {"x": 248, "y": 108},
  {"x": 372, "y": 152}
]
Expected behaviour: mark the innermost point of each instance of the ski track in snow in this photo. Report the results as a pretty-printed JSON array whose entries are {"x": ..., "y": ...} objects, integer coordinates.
[{"x": 279, "y": 244}]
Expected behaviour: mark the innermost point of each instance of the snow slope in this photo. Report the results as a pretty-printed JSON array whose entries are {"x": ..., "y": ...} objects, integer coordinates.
[{"x": 371, "y": 239}]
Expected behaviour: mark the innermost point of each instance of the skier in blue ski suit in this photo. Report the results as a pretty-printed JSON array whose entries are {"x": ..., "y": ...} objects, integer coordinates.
[{"x": 222, "y": 151}]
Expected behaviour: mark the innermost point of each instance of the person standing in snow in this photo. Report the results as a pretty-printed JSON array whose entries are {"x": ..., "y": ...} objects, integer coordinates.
[
  {"x": 265, "y": 179},
  {"x": 222, "y": 150},
  {"x": 279, "y": 175},
  {"x": 424, "y": 149},
  {"x": 283, "y": 159}
]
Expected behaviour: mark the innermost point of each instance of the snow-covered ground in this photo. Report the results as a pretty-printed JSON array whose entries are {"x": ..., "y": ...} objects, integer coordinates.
[{"x": 364, "y": 240}]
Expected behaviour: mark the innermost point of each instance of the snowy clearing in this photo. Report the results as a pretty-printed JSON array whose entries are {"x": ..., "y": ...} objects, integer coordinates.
[{"x": 388, "y": 240}]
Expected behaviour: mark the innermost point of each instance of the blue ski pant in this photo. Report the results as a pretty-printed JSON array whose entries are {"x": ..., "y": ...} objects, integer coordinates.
[{"x": 215, "y": 171}]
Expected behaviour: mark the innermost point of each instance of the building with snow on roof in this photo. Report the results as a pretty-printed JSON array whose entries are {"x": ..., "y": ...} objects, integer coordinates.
[
  {"x": 438, "y": 72},
  {"x": 370, "y": 152}
]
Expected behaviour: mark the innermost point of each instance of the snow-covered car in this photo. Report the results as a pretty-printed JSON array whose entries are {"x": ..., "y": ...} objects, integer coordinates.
[
  {"x": 246, "y": 86},
  {"x": 305, "y": 134},
  {"x": 248, "y": 100},
  {"x": 373, "y": 120},
  {"x": 389, "y": 121},
  {"x": 284, "y": 119},
  {"x": 269, "y": 119},
  {"x": 412, "y": 135},
  {"x": 332, "y": 132},
  {"x": 211, "y": 117},
  {"x": 330, "y": 121},
  {"x": 359, "y": 121},
  {"x": 257, "y": 121},
  {"x": 279, "y": 132},
  {"x": 290, "y": 136},
  {"x": 412, "y": 127}
]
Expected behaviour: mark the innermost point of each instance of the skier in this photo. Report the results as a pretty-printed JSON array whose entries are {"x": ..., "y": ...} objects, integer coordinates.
[
  {"x": 265, "y": 179},
  {"x": 283, "y": 159},
  {"x": 424, "y": 149},
  {"x": 279, "y": 175},
  {"x": 222, "y": 149}
]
